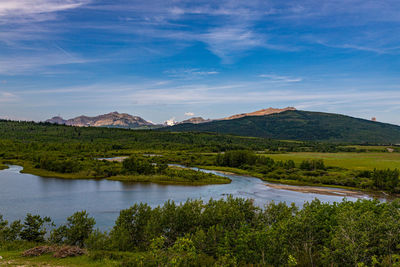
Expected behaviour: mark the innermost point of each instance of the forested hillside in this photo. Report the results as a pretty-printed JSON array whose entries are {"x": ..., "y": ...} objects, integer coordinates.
[{"x": 302, "y": 125}]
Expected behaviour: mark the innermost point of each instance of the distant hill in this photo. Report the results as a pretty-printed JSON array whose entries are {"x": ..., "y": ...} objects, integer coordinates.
[
  {"x": 113, "y": 119},
  {"x": 262, "y": 112},
  {"x": 302, "y": 125}
]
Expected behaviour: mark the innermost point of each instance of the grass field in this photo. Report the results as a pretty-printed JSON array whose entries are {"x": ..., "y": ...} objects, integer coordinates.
[{"x": 356, "y": 161}]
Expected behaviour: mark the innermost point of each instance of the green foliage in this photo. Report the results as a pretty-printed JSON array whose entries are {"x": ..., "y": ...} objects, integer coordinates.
[
  {"x": 386, "y": 179},
  {"x": 78, "y": 228},
  {"x": 98, "y": 240},
  {"x": 35, "y": 228},
  {"x": 130, "y": 230},
  {"x": 312, "y": 165},
  {"x": 76, "y": 231},
  {"x": 9, "y": 232},
  {"x": 61, "y": 166},
  {"x": 134, "y": 165}
]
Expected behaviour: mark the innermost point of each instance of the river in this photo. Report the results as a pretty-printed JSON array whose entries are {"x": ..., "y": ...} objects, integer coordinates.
[{"x": 59, "y": 198}]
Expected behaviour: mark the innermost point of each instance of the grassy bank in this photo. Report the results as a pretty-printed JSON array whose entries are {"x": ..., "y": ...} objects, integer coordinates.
[
  {"x": 29, "y": 169},
  {"x": 3, "y": 166}
]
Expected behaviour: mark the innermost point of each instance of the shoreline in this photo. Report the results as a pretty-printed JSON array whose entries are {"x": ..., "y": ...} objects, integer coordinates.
[{"x": 318, "y": 190}]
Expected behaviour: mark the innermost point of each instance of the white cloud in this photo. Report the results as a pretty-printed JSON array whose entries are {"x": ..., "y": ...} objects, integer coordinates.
[
  {"x": 36, "y": 9},
  {"x": 189, "y": 114},
  {"x": 6, "y": 97},
  {"x": 188, "y": 74},
  {"x": 229, "y": 41},
  {"x": 279, "y": 78}
]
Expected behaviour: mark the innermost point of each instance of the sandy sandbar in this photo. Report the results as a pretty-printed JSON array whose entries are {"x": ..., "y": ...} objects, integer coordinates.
[{"x": 318, "y": 190}]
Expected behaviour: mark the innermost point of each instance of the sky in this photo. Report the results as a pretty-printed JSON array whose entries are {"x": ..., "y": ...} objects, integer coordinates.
[{"x": 163, "y": 59}]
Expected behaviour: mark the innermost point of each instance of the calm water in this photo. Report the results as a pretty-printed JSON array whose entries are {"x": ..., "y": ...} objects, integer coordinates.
[{"x": 103, "y": 199}]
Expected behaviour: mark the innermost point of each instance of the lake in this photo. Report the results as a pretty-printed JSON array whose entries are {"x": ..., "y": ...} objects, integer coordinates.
[{"x": 103, "y": 199}]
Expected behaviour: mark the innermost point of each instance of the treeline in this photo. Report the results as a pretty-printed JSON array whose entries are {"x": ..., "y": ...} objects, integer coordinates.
[
  {"x": 231, "y": 232},
  {"x": 309, "y": 171},
  {"x": 387, "y": 180},
  {"x": 245, "y": 159},
  {"x": 136, "y": 165}
]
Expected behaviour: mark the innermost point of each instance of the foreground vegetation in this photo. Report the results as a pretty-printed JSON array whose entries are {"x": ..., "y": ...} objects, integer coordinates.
[{"x": 231, "y": 232}]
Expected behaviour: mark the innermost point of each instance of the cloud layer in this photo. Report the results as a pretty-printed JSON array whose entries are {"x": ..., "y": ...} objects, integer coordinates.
[{"x": 211, "y": 57}]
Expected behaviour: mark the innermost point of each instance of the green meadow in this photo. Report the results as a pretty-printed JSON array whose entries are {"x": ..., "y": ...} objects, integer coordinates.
[{"x": 347, "y": 160}]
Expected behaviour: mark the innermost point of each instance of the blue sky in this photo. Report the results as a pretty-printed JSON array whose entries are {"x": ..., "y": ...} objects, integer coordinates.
[{"x": 162, "y": 59}]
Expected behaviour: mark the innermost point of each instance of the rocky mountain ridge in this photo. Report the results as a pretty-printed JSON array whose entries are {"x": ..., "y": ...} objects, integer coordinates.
[
  {"x": 124, "y": 120},
  {"x": 113, "y": 119}
]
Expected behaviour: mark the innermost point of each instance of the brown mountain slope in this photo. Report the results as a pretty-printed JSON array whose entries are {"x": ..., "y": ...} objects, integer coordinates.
[
  {"x": 262, "y": 112},
  {"x": 113, "y": 119}
]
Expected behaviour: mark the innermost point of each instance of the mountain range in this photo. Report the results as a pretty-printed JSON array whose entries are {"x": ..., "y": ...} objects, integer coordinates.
[
  {"x": 124, "y": 120},
  {"x": 113, "y": 119},
  {"x": 285, "y": 124}
]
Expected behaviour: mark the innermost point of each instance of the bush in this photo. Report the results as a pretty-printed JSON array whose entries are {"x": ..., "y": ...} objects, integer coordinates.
[
  {"x": 77, "y": 229},
  {"x": 34, "y": 228},
  {"x": 9, "y": 232}
]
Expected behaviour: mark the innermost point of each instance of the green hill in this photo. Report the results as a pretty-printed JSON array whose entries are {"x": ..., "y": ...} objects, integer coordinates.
[{"x": 302, "y": 125}]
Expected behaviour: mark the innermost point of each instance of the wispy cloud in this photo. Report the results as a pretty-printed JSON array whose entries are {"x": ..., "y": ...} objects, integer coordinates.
[
  {"x": 189, "y": 74},
  {"x": 278, "y": 78},
  {"x": 22, "y": 11},
  {"x": 6, "y": 97},
  {"x": 228, "y": 42},
  {"x": 36, "y": 63}
]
